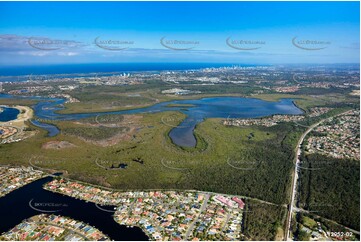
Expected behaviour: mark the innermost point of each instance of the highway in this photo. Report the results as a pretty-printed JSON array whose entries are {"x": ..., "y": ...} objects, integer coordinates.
[{"x": 291, "y": 205}]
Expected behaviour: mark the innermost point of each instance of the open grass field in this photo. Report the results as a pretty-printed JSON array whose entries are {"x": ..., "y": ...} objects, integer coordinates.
[{"x": 13, "y": 101}]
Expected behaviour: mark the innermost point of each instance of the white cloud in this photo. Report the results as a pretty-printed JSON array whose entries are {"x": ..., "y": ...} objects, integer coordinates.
[
  {"x": 68, "y": 53},
  {"x": 34, "y": 53}
]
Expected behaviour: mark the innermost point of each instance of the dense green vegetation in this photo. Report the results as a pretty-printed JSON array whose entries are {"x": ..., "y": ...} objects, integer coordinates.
[
  {"x": 93, "y": 133},
  {"x": 106, "y": 120},
  {"x": 305, "y": 102},
  {"x": 327, "y": 225},
  {"x": 235, "y": 160},
  {"x": 103, "y": 98},
  {"x": 263, "y": 221},
  {"x": 330, "y": 188},
  {"x": 250, "y": 161},
  {"x": 313, "y": 222},
  {"x": 250, "y": 165},
  {"x": 323, "y": 91}
]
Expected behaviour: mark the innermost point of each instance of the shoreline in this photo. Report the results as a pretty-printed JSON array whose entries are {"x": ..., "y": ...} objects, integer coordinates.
[
  {"x": 63, "y": 111},
  {"x": 25, "y": 113},
  {"x": 268, "y": 98},
  {"x": 43, "y": 175}
]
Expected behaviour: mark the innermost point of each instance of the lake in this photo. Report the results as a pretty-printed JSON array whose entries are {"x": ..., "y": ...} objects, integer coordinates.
[
  {"x": 25, "y": 201},
  {"x": 8, "y": 114},
  {"x": 200, "y": 109}
]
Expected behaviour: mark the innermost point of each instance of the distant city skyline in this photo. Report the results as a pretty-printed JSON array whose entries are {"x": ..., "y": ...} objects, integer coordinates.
[{"x": 36, "y": 33}]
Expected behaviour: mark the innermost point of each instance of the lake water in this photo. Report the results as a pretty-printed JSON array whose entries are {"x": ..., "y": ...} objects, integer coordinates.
[
  {"x": 182, "y": 135},
  {"x": 19, "y": 205},
  {"x": 8, "y": 114},
  {"x": 226, "y": 107}
]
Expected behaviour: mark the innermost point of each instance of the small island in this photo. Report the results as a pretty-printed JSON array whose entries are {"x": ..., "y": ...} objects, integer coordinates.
[{"x": 180, "y": 105}]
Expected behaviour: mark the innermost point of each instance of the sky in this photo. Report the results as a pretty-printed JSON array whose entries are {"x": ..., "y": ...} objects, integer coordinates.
[{"x": 38, "y": 33}]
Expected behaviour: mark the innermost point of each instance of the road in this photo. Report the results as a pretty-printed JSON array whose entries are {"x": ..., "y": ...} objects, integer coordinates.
[
  {"x": 291, "y": 205},
  {"x": 295, "y": 177},
  {"x": 204, "y": 205},
  {"x": 226, "y": 222},
  {"x": 63, "y": 227},
  {"x": 316, "y": 216}
]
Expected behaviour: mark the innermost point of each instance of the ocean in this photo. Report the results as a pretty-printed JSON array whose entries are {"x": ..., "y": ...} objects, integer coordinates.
[{"x": 103, "y": 67}]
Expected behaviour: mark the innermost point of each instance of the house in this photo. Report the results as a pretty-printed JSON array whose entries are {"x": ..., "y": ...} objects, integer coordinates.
[{"x": 239, "y": 202}]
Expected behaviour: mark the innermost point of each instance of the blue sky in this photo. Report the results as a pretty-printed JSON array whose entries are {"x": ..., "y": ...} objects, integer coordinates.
[{"x": 221, "y": 32}]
